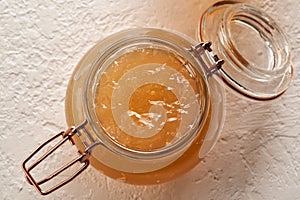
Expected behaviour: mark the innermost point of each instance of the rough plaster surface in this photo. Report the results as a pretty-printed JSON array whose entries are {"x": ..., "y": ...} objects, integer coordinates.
[{"x": 257, "y": 156}]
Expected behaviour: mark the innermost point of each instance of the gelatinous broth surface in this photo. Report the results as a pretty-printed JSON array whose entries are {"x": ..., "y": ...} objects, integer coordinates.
[{"x": 147, "y": 99}]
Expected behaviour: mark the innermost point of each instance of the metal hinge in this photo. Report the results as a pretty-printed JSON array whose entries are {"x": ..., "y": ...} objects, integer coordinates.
[{"x": 205, "y": 49}]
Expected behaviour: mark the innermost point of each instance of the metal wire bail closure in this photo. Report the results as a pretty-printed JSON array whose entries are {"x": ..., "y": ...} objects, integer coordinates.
[{"x": 83, "y": 158}]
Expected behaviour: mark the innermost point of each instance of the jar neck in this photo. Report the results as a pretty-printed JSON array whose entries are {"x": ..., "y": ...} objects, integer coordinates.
[{"x": 131, "y": 41}]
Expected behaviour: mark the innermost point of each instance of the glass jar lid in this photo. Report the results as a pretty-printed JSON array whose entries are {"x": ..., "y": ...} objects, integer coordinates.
[{"x": 255, "y": 49}]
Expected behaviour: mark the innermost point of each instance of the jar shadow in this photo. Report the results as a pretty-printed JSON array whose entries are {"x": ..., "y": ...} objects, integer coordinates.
[{"x": 240, "y": 158}]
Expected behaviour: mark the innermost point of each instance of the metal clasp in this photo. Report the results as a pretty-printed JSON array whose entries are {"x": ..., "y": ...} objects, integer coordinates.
[
  {"x": 199, "y": 50},
  {"x": 83, "y": 158}
]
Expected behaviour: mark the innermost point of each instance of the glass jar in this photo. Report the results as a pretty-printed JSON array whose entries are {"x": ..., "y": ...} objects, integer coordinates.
[
  {"x": 146, "y": 105},
  {"x": 148, "y": 102}
]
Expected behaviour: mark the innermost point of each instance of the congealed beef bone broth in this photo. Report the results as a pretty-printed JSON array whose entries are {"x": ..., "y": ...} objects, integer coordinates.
[{"x": 147, "y": 99}]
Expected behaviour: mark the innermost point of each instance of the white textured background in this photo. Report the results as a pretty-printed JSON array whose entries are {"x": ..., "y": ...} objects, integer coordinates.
[{"x": 257, "y": 156}]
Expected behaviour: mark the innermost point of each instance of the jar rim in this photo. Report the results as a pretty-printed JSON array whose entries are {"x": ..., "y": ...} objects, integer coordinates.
[{"x": 128, "y": 38}]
